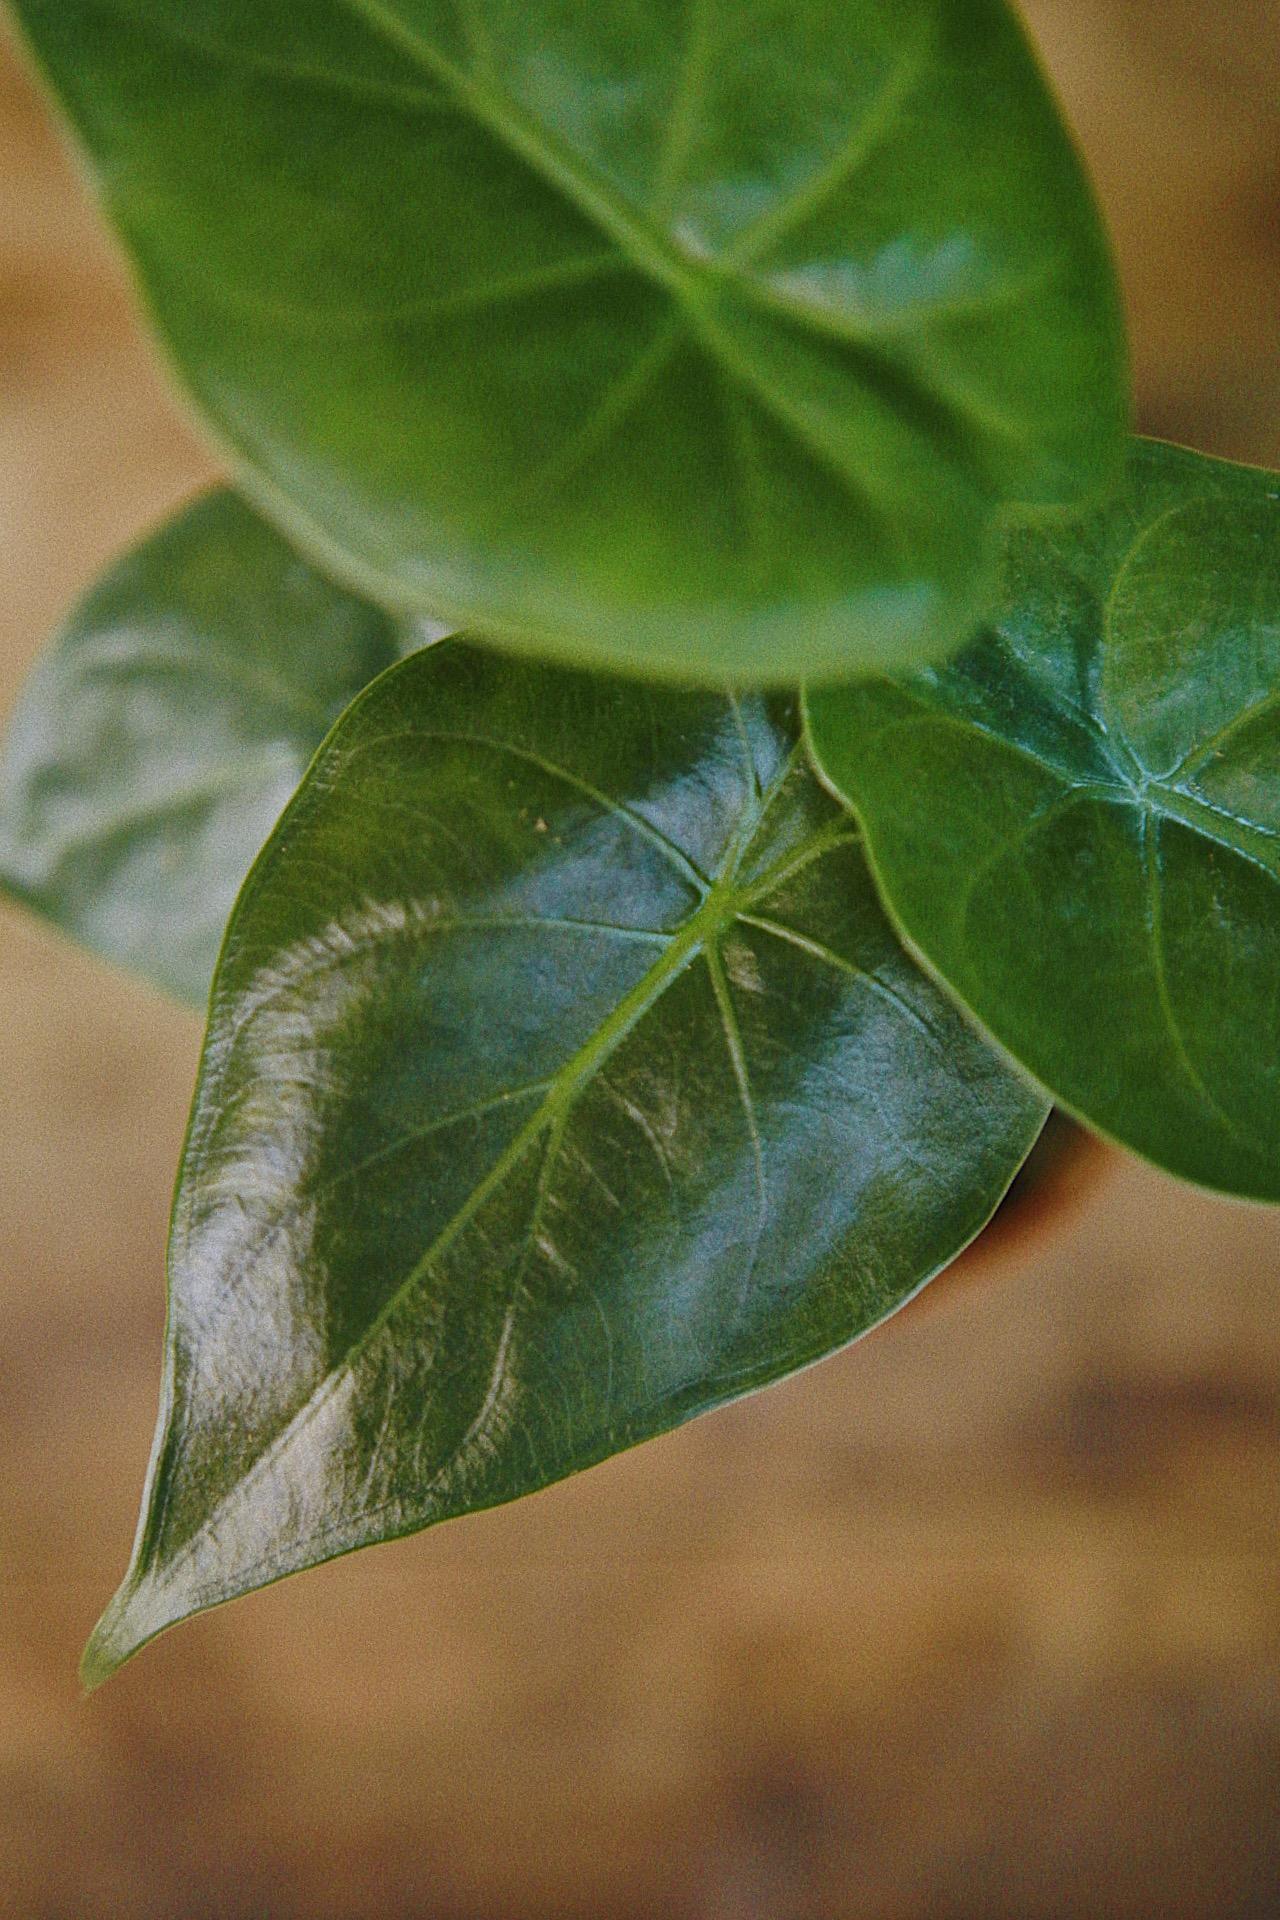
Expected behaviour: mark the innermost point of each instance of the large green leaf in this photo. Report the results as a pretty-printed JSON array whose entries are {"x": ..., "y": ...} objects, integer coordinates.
[
  {"x": 1077, "y": 822},
  {"x": 563, "y": 1079},
  {"x": 162, "y": 733},
  {"x": 700, "y": 339}
]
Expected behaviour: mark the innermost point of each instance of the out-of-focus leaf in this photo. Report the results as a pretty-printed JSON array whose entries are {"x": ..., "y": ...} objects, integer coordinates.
[
  {"x": 700, "y": 340},
  {"x": 162, "y": 733}
]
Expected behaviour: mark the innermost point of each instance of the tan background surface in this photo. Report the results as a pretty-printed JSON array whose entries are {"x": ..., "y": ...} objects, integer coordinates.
[{"x": 980, "y": 1619}]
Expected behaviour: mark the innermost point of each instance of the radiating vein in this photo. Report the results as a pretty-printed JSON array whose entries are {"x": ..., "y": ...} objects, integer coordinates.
[
  {"x": 684, "y": 119},
  {"x": 254, "y": 1248},
  {"x": 358, "y": 313},
  {"x": 839, "y": 833},
  {"x": 797, "y": 426},
  {"x": 742, "y": 1080},
  {"x": 171, "y": 27},
  {"x": 925, "y": 721},
  {"x": 828, "y": 957},
  {"x": 865, "y": 135},
  {"x": 1057, "y": 803},
  {"x": 641, "y": 1121},
  {"x": 354, "y": 945},
  {"x": 653, "y": 252},
  {"x": 554, "y": 164},
  {"x": 1214, "y": 824},
  {"x": 1205, "y": 749},
  {"x": 1155, "y": 928},
  {"x": 750, "y": 773},
  {"x": 697, "y": 936},
  {"x": 754, "y": 493},
  {"x": 561, "y": 1095},
  {"x": 674, "y": 855},
  {"x": 498, "y": 1372},
  {"x": 609, "y": 413}
]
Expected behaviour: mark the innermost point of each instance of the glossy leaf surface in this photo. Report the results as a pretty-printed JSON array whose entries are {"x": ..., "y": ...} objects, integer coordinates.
[
  {"x": 1077, "y": 821},
  {"x": 563, "y": 1080},
  {"x": 161, "y": 735},
  {"x": 695, "y": 339}
]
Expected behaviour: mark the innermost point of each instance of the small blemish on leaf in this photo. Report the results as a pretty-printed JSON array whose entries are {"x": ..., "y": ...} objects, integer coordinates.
[{"x": 741, "y": 966}]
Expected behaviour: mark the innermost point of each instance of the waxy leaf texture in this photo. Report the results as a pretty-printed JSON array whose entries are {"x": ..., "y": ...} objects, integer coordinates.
[{"x": 563, "y": 1080}]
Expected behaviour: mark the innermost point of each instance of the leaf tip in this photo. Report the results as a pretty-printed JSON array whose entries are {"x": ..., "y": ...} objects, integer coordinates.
[
  {"x": 97, "y": 1664},
  {"x": 124, "y": 1629}
]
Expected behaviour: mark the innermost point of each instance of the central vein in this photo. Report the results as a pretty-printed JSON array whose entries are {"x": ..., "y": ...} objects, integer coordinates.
[
  {"x": 697, "y": 933},
  {"x": 722, "y": 903},
  {"x": 649, "y": 250}
]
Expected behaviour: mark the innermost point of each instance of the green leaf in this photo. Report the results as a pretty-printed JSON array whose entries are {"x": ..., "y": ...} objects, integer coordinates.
[
  {"x": 1077, "y": 822},
  {"x": 162, "y": 733},
  {"x": 563, "y": 1080},
  {"x": 700, "y": 340}
]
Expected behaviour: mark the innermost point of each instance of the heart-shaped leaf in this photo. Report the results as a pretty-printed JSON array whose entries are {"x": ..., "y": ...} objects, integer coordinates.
[
  {"x": 162, "y": 733},
  {"x": 1077, "y": 822},
  {"x": 563, "y": 1080},
  {"x": 702, "y": 340}
]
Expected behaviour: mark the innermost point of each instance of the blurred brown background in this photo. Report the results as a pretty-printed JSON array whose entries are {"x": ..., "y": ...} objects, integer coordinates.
[{"x": 980, "y": 1619}]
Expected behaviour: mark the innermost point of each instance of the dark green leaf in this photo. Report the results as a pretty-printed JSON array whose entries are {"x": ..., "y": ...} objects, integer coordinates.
[
  {"x": 563, "y": 1080},
  {"x": 159, "y": 738},
  {"x": 1077, "y": 822},
  {"x": 700, "y": 339}
]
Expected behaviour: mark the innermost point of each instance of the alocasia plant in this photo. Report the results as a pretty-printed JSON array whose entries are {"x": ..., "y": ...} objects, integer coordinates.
[{"x": 608, "y": 1026}]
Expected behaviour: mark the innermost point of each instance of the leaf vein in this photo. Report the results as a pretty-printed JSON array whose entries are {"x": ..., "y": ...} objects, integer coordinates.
[
  {"x": 863, "y": 139},
  {"x": 742, "y": 1080},
  {"x": 1155, "y": 928},
  {"x": 826, "y": 956}
]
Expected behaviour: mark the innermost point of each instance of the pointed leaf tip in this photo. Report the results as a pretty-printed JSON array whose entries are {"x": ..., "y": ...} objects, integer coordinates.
[
  {"x": 564, "y": 1080},
  {"x": 111, "y": 1644}
]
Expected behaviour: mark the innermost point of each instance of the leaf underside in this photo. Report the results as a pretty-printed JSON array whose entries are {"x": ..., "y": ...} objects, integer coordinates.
[
  {"x": 699, "y": 340},
  {"x": 1077, "y": 821},
  {"x": 563, "y": 1080},
  {"x": 166, "y": 727}
]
